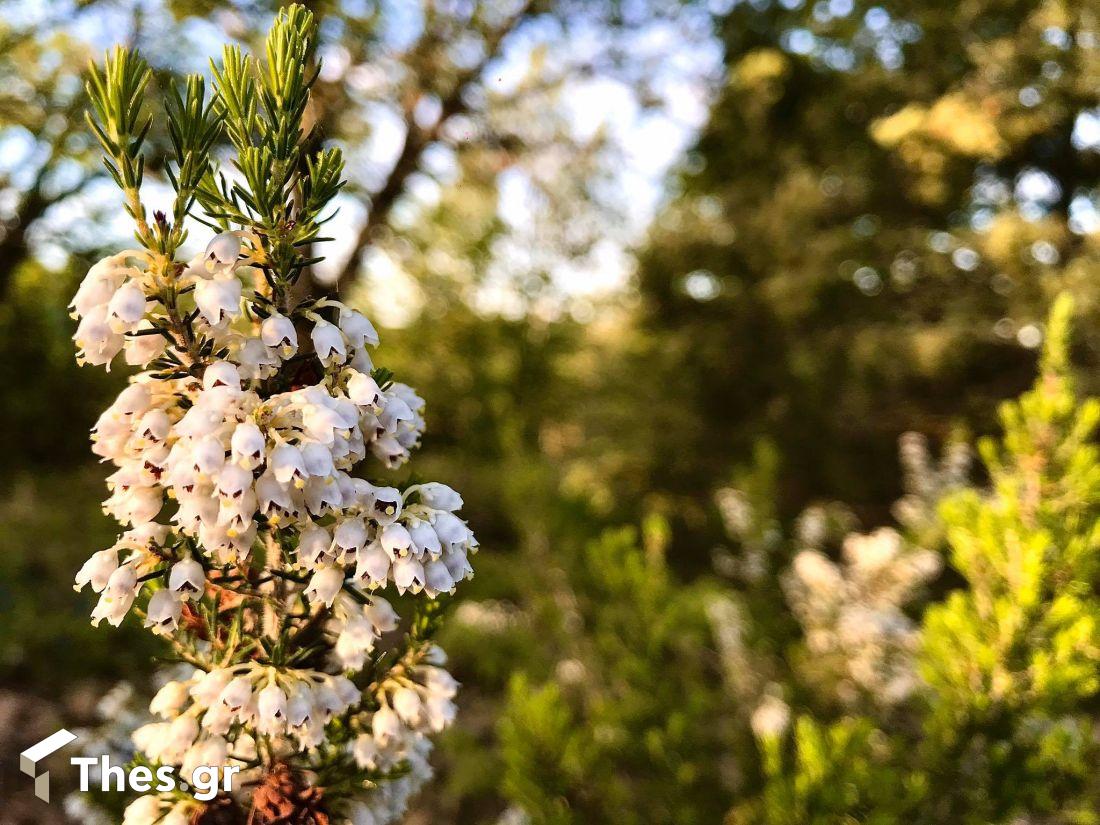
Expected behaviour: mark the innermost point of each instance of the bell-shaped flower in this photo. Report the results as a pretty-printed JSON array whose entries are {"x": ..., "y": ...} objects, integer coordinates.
[
  {"x": 408, "y": 574},
  {"x": 381, "y": 614},
  {"x": 365, "y": 752},
  {"x": 97, "y": 344},
  {"x": 117, "y": 597},
  {"x": 300, "y": 706},
  {"x": 385, "y": 725},
  {"x": 277, "y": 332},
  {"x": 209, "y": 751},
  {"x": 99, "y": 285},
  {"x": 164, "y": 611},
  {"x": 181, "y": 735},
  {"x": 208, "y": 688},
  {"x": 141, "y": 349},
  {"x": 324, "y": 585},
  {"x": 97, "y": 570},
  {"x": 271, "y": 710},
  {"x": 364, "y": 391},
  {"x": 275, "y": 500},
  {"x": 221, "y": 374},
  {"x": 224, "y": 248},
  {"x": 233, "y": 481},
  {"x": 318, "y": 460},
  {"x": 359, "y": 330},
  {"x": 322, "y": 495},
  {"x": 386, "y": 506},
  {"x": 458, "y": 564},
  {"x": 255, "y": 359},
  {"x": 169, "y": 700},
  {"x": 287, "y": 465},
  {"x": 452, "y": 530},
  {"x": 440, "y": 712},
  {"x": 315, "y": 546},
  {"x": 187, "y": 579},
  {"x": 425, "y": 540},
  {"x": 247, "y": 445},
  {"x": 218, "y": 719},
  {"x": 350, "y": 535},
  {"x": 440, "y": 496},
  {"x": 406, "y": 703},
  {"x": 437, "y": 578},
  {"x": 396, "y": 540},
  {"x": 126, "y": 307},
  {"x": 329, "y": 344},
  {"x": 218, "y": 298},
  {"x": 373, "y": 565},
  {"x": 209, "y": 455},
  {"x": 237, "y": 694}
]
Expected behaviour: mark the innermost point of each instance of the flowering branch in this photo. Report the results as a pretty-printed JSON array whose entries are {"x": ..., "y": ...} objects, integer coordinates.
[{"x": 253, "y": 544}]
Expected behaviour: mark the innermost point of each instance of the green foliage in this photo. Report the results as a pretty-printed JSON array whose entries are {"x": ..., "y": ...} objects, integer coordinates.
[
  {"x": 827, "y": 774},
  {"x": 629, "y": 726},
  {"x": 1012, "y": 660}
]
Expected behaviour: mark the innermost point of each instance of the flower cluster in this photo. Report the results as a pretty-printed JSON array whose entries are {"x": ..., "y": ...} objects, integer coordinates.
[
  {"x": 220, "y": 460},
  {"x": 853, "y": 613},
  {"x": 255, "y": 540}
]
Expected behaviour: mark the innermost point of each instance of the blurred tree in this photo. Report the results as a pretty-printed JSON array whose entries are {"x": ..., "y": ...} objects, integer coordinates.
[{"x": 867, "y": 234}]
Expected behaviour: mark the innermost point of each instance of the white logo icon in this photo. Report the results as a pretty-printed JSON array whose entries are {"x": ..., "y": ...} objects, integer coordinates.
[{"x": 29, "y": 759}]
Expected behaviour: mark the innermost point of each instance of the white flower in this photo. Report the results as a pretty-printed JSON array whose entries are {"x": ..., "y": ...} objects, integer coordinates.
[
  {"x": 272, "y": 709},
  {"x": 287, "y": 465},
  {"x": 314, "y": 545},
  {"x": 364, "y": 390},
  {"x": 126, "y": 307},
  {"x": 206, "y": 691},
  {"x": 440, "y": 496},
  {"x": 329, "y": 344},
  {"x": 425, "y": 540},
  {"x": 406, "y": 702},
  {"x": 141, "y": 349},
  {"x": 224, "y": 248},
  {"x": 385, "y": 725},
  {"x": 408, "y": 574},
  {"x": 187, "y": 579},
  {"x": 236, "y": 694},
  {"x": 300, "y": 709},
  {"x": 170, "y": 700},
  {"x": 117, "y": 597},
  {"x": 437, "y": 578},
  {"x": 96, "y": 342},
  {"x": 99, "y": 285},
  {"x": 351, "y": 535},
  {"x": 182, "y": 733},
  {"x": 277, "y": 332},
  {"x": 373, "y": 565},
  {"x": 452, "y": 530},
  {"x": 164, "y": 611},
  {"x": 396, "y": 540},
  {"x": 221, "y": 374},
  {"x": 359, "y": 331},
  {"x": 324, "y": 585},
  {"x": 365, "y": 751},
  {"x": 248, "y": 445},
  {"x": 97, "y": 570},
  {"x": 208, "y": 751},
  {"x": 218, "y": 298}
]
